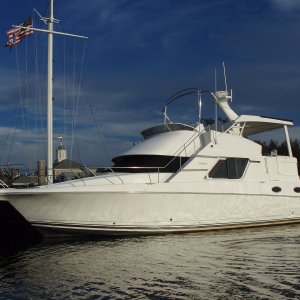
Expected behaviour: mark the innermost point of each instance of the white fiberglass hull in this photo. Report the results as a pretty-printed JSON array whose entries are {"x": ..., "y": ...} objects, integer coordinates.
[{"x": 152, "y": 209}]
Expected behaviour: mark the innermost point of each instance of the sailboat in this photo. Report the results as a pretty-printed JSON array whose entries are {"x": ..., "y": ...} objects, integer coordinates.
[{"x": 179, "y": 178}]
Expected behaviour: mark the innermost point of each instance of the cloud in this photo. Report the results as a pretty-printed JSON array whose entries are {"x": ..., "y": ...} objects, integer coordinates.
[
  {"x": 144, "y": 23},
  {"x": 278, "y": 135},
  {"x": 286, "y": 5}
]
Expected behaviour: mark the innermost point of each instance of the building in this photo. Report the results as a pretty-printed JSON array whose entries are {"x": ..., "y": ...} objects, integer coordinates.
[{"x": 65, "y": 169}]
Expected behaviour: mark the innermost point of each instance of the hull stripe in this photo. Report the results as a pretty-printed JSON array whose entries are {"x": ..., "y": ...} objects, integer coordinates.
[{"x": 77, "y": 229}]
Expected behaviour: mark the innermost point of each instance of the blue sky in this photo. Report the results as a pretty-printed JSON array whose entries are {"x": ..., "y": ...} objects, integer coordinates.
[{"x": 139, "y": 52}]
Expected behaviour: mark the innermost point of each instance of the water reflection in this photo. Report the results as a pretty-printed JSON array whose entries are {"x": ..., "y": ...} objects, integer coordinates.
[{"x": 252, "y": 264}]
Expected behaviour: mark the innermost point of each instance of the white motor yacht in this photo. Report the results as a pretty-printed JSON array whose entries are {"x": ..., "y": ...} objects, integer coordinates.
[{"x": 179, "y": 178}]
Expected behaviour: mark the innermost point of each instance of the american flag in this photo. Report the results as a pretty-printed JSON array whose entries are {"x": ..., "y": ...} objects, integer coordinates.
[{"x": 15, "y": 35}]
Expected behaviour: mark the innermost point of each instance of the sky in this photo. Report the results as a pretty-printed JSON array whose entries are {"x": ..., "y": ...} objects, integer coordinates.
[{"x": 113, "y": 85}]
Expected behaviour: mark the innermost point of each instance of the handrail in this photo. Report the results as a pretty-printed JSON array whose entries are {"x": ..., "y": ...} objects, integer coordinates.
[
  {"x": 187, "y": 143},
  {"x": 110, "y": 168},
  {"x": 87, "y": 171},
  {"x": 3, "y": 184}
]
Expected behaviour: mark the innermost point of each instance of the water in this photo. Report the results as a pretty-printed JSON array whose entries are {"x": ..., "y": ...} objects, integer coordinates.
[{"x": 243, "y": 264}]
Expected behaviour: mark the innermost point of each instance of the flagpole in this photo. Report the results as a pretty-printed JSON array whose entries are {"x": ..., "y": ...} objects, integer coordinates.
[
  {"x": 28, "y": 29},
  {"x": 50, "y": 97}
]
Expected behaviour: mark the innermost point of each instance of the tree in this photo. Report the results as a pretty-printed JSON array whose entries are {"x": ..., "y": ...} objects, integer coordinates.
[{"x": 207, "y": 122}]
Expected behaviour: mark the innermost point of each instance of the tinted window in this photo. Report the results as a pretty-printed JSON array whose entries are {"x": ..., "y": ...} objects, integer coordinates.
[
  {"x": 219, "y": 170},
  {"x": 231, "y": 168},
  {"x": 147, "y": 163},
  {"x": 236, "y": 167}
]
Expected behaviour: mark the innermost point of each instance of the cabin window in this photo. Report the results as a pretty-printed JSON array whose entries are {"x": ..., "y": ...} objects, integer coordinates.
[
  {"x": 147, "y": 163},
  {"x": 230, "y": 168}
]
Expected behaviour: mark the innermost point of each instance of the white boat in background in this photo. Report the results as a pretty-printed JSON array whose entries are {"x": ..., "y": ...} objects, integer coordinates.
[{"x": 179, "y": 178}]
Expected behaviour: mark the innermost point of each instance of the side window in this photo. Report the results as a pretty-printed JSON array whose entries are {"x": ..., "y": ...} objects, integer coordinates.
[
  {"x": 219, "y": 170},
  {"x": 231, "y": 168}
]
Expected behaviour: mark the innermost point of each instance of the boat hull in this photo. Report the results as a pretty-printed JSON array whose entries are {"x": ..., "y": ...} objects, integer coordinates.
[{"x": 150, "y": 210}]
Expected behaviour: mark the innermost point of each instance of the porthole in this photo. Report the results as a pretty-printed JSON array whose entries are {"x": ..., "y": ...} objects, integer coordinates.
[
  {"x": 276, "y": 189},
  {"x": 297, "y": 189}
]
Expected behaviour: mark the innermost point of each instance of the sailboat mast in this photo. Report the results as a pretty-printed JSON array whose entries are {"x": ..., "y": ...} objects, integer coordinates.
[
  {"x": 50, "y": 21},
  {"x": 50, "y": 97}
]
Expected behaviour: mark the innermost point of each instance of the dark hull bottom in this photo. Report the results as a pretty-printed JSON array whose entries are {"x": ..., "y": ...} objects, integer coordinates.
[
  {"x": 14, "y": 228},
  {"x": 77, "y": 231}
]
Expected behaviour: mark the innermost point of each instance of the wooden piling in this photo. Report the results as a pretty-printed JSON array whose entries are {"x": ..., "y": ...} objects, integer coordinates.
[{"x": 41, "y": 172}]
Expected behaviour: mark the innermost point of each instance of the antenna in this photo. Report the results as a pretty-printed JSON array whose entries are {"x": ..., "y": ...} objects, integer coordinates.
[
  {"x": 216, "y": 104},
  {"x": 216, "y": 80},
  {"x": 225, "y": 76},
  {"x": 199, "y": 107}
]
